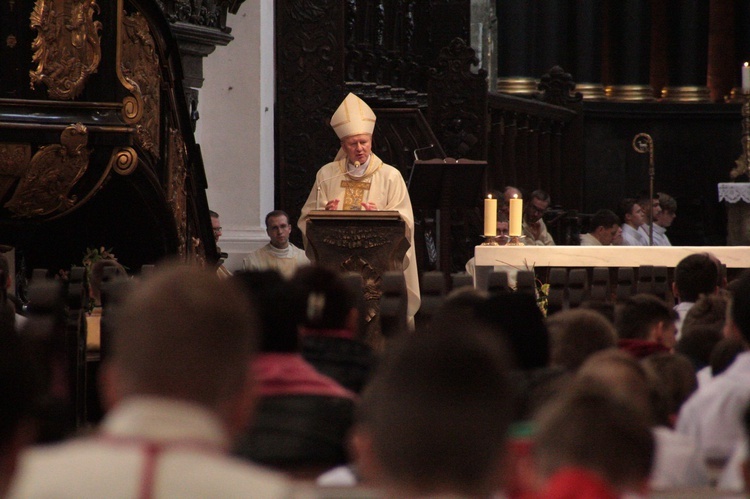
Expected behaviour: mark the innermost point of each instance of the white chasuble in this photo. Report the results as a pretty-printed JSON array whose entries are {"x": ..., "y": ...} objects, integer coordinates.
[{"x": 381, "y": 184}]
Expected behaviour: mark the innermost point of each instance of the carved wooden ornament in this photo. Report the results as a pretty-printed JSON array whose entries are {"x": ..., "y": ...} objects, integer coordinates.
[
  {"x": 67, "y": 46},
  {"x": 52, "y": 173}
]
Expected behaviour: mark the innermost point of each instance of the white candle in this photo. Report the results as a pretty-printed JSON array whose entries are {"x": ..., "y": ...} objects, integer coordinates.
[
  {"x": 490, "y": 216},
  {"x": 746, "y": 77},
  {"x": 516, "y": 213}
]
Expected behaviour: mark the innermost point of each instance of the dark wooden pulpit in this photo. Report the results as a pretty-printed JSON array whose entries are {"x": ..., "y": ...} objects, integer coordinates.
[{"x": 368, "y": 243}]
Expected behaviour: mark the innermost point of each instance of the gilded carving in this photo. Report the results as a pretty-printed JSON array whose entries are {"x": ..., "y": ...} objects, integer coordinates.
[
  {"x": 67, "y": 46},
  {"x": 139, "y": 67},
  {"x": 51, "y": 174},
  {"x": 124, "y": 161},
  {"x": 14, "y": 161},
  {"x": 176, "y": 191}
]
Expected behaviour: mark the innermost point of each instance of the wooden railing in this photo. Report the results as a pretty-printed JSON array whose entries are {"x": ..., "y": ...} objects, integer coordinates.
[{"x": 535, "y": 143}]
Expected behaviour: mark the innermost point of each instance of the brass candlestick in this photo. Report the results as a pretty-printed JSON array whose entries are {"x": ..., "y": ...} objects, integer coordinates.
[
  {"x": 743, "y": 162},
  {"x": 515, "y": 241},
  {"x": 490, "y": 240}
]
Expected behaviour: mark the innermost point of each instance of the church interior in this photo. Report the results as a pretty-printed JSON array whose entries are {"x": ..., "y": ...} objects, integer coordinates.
[{"x": 126, "y": 126}]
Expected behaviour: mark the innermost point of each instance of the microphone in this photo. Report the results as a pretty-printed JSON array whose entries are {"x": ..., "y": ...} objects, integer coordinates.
[
  {"x": 317, "y": 194},
  {"x": 416, "y": 158}
]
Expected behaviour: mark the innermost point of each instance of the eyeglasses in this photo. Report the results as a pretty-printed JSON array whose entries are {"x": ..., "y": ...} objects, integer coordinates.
[{"x": 217, "y": 230}]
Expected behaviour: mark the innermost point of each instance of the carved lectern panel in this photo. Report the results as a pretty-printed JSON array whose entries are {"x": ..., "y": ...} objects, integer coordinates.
[{"x": 368, "y": 243}]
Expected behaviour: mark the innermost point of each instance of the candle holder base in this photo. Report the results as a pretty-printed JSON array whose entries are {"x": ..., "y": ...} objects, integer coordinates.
[
  {"x": 490, "y": 240},
  {"x": 516, "y": 241}
]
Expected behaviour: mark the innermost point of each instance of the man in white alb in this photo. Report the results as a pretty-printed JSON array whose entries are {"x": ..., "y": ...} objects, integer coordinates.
[
  {"x": 358, "y": 180},
  {"x": 279, "y": 254}
]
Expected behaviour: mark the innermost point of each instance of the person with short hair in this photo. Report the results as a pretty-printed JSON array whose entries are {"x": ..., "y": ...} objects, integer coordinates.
[
  {"x": 652, "y": 210},
  {"x": 302, "y": 416},
  {"x": 603, "y": 229},
  {"x": 591, "y": 444},
  {"x": 663, "y": 220},
  {"x": 633, "y": 217},
  {"x": 178, "y": 387},
  {"x": 713, "y": 414},
  {"x": 533, "y": 223},
  {"x": 640, "y": 385},
  {"x": 434, "y": 420},
  {"x": 279, "y": 254},
  {"x": 575, "y": 334},
  {"x": 645, "y": 325},
  {"x": 695, "y": 275}
]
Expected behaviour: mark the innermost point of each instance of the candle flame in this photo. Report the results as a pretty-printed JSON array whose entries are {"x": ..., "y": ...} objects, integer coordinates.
[
  {"x": 489, "y": 196},
  {"x": 515, "y": 196},
  {"x": 746, "y": 64}
]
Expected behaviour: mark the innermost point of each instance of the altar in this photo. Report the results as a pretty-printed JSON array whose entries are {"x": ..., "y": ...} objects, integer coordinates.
[
  {"x": 533, "y": 257},
  {"x": 736, "y": 195}
]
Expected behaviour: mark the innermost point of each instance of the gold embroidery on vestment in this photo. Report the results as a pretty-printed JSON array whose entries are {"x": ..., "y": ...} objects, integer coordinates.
[{"x": 355, "y": 193}]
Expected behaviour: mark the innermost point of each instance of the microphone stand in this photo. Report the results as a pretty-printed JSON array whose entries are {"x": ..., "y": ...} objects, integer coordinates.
[{"x": 643, "y": 143}]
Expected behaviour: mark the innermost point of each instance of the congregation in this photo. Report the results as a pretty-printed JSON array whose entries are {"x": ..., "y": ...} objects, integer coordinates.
[{"x": 259, "y": 385}]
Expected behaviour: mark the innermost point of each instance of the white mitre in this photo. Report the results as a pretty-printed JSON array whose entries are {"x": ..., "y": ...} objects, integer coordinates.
[{"x": 353, "y": 117}]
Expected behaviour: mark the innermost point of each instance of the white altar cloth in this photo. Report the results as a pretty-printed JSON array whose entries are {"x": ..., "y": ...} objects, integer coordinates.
[
  {"x": 528, "y": 257},
  {"x": 734, "y": 192}
]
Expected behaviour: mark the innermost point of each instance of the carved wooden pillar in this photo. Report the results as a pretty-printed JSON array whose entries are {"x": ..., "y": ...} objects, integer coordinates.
[
  {"x": 723, "y": 59},
  {"x": 687, "y": 51},
  {"x": 586, "y": 67},
  {"x": 629, "y": 50},
  {"x": 515, "y": 70}
]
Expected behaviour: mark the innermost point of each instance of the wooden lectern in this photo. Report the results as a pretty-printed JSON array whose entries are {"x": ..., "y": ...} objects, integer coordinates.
[{"x": 368, "y": 243}]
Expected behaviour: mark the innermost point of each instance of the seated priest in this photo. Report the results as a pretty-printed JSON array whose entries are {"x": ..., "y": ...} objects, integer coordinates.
[
  {"x": 603, "y": 229},
  {"x": 279, "y": 254},
  {"x": 358, "y": 180},
  {"x": 533, "y": 225}
]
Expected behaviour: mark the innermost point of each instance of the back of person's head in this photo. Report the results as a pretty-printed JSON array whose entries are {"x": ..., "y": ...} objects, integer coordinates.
[
  {"x": 323, "y": 297},
  {"x": 588, "y": 428},
  {"x": 739, "y": 307},
  {"x": 19, "y": 391},
  {"x": 605, "y": 308},
  {"x": 723, "y": 354},
  {"x": 459, "y": 305},
  {"x": 436, "y": 415},
  {"x": 183, "y": 333},
  {"x": 695, "y": 275},
  {"x": 623, "y": 376},
  {"x": 676, "y": 379},
  {"x": 603, "y": 218},
  {"x": 577, "y": 333},
  {"x": 637, "y": 315},
  {"x": 518, "y": 320},
  {"x": 697, "y": 342},
  {"x": 710, "y": 310},
  {"x": 279, "y": 317}
]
